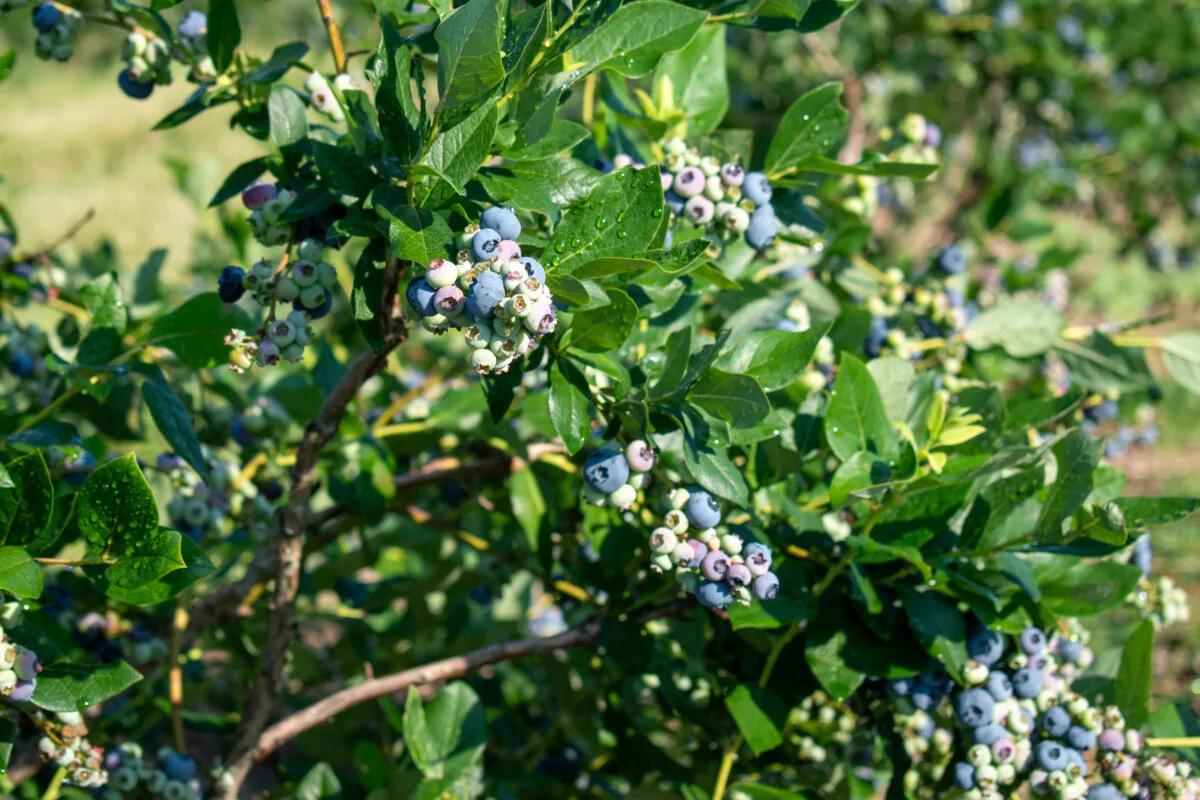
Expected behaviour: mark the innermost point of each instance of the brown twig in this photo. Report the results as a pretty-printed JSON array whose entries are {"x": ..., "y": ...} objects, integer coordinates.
[
  {"x": 438, "y": 672},
  {"x": 292, "y": 524},
  {"x": 335, "y": 35},
  {"x": 70, "y": 234}
]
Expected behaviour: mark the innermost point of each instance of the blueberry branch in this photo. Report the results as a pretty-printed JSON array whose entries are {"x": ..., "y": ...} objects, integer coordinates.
[
  {"x": 334, "y": 34},
  {"x": 438, "y": 672}
]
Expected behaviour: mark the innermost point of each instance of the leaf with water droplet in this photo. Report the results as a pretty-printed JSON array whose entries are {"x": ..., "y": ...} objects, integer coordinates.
[{"x": 584, "y": 234}]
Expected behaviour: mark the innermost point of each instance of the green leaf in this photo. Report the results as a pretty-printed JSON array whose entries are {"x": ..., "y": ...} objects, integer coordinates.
[
  {"x": 76, "y": 687},
  {"x": 146, "y": 559},
  {"x": 1077, "y": 456},
  {"x": 276, "y": 66},
  {"x": 1023, "y": 328},
  {"x": 827, "y": 648},
  {"x": 568, "y": 290},
  {"x": 1100, "y": 365},
  {"x": 418, "y": 234},
  {"x": 242, "y": 176},
  {"x": 563, "y": 136},
  {"x": 366, "y": 298},
  {"x": 939, "y": 626},
  {"x": 456, "y": 154},
  {"x": 171, "y": 417},
  {"x": 598, "y": 330},
  {"x": 8, "y": 728},
  {"x": 713, "y": 470},
  {"x": 756, "y": 791},
  {"x": 1136, "y": 675},
  {"x": 1145, "y": 512},
  {"x": 195, "y": 331},
  {"x": 811, "y": 126},
  {"x": 760, "y": 732},
  {"x": 675, "y": 361},
  {"x": 26, "y": 507},
  {"x": 764, "y": 616},
  {"x": 319, "y": 783},
  {"x": 541, "y": 186},
  {"x": 469, "y": 43},
  {"x": 1086, "y": 588},
  {"x": 856, "y": 419},
  {"x": 7, "y": 60},
  {"x": 165, "y": 587},
  {"x": 894, "y": 377},
  {"x": 528, "y": 504},
  {"x": 772, "y": 357},
  {"x": 569, "y": 394},
  {"x": 1176, "y": 722},
  {"x": 608, "y": 267},
  {"x": 447, "y": 736},
  {"x": 879, "y": 169},
  {"x": 619, "y": 219},
  {"x": 116, "y": 509},
  {"x": 737, "y": 399},
  {"x": 1181, "y": 355},
  {"x": 285, "y": 109},
  {"x": 19, "y": 573},
  {"x": 394, "y": 70},
  {"x": 636, "y": 36},
  {"x": 860, "y": 472},
  {"x": 698, "y": 79},
  {"x": 103, "y": 297},
  {"x": 224, "y": 32}
]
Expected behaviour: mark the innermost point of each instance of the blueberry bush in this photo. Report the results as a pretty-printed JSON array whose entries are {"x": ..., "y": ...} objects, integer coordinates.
[{"x": 556, "y": 435}]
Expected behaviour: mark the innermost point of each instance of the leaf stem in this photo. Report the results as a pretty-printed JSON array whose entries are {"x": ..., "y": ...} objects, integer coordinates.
[{"x": 73, "y": 562}]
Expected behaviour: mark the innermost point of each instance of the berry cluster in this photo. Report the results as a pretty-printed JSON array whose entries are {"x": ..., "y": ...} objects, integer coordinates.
[
  {"x": 722, "y": 199},
  {"x": 266, "y": 203},
  {"x": 1160, "y": 600},
  {"x": 25, "y": 350},
  {"x": 307, "y": 284},
  {"x": 170, "y": 775},
  {"x": 19, "y": 668},
  {"x": 66, "y": 745},
  {"x": 727, "y": 569},
  {"x": 1017, "y": 722},
  {"x": 499, "y": 295},
  {"x": 55, "y": 25},
  {"x": 111, "y": 637},
  {"x": 147, "y": 63},
  {"x": 828, "y": 735},
  {"x": 612, "y": 477},
  {"x": 323, "y": 98}
]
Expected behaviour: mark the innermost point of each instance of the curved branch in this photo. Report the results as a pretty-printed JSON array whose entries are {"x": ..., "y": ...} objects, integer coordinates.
[
  {"x": 448, "y": 669},
  {"x": 334, "y": 34}
]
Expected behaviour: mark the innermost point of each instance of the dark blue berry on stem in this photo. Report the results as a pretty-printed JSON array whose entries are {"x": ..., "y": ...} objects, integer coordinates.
[
  {"x": 484, "y": 294},
  {"x": 975, "y": 708},
  {"x": 46, "y": 17},
  {"x": 502, "y": 220},
  {"x": 606, "y": 471},
  {"x": 714, "y": 594},
  {"x": 485, "y": 243},
  {"x": 702, "y": 509},
  {"x": 952, "y": 260},
  {"x": 21, "y": 364},
  {"x": 132, "y": 88},
  {"x": 229, "y": 284}
]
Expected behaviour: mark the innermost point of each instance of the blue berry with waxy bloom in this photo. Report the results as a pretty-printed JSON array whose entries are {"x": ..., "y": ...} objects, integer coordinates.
[
  {"x": 502, "y": 220},
  {"x": 6, "y": 247},
  {"x": 999, "y": 686},
  {"x": 179, "y": 767},
  {"x": 756, "y": 188},
  {"x": 1051, "y": 756},
  {"x": 133, "y": 88},
  {"x": 320, "y": 311},
  {"x": 964, "y": 776},
  {"x": 762, "y": 230},
  {"x": 714, "y": 594},
  {"x": 1081, "y": 738},
  {"x": 485, "y": 244},
  {"x": 1033, "y": 640},
  {"x": 901, "y": 687},
  {"x": 534, "y": 268},
  {"x": 1143, "y": 556},
  {"x": 715, "y": 565},
  {"x": 876, "y": 337},
  {"x": 674, "y": 201},
  {"x": 975, "y": 708},
  {"x": 21, "y": 364},
  {"x": 193, "y": 25},
  {"x": 739, "y": 576},
  {"x": 1027, "y": 683},
  {"x": 46, "y": 17},
  {"x": 757, "y": 557},
  {"x": 1104, "y": 791},
  {"x": 229, "y": 284},
  {"x": 606, "y": 471},
  {"x": 1070, "y": 649},
  {"x": 484, "y": 294},
  {"x": 952, "y": 260},
  {"x": 702, "y": 509},
  {"x": 1056, "y": 722},
  {"x": 986, "y": 646},
  {"x": 988, "y": 734}
]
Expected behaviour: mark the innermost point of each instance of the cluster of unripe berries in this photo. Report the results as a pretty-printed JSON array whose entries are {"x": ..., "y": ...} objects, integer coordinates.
[
  {"x": 322, "y": 97},
  {"x": 1016, "y": 722},
  {"x": 721, "y": 198},
  {"x": 495, "y": 295},
  {"x": 724, "y": 568},
  {"x": 55, "y": 25},
  {"x": 25, "y": 349},
  {"x": 19, "y": 668},
  {"x": 1161, "y": 601},
  {"x": 66, "y": 745},
  {"x": 614, "y": 477},
  {"x": 110, "y": 637},
  {"x": 267, "y": 202},
  {"x": 306, "y": 283},
  {"x": 171, "y": 775},
  {"x": 147, "y": 63}
]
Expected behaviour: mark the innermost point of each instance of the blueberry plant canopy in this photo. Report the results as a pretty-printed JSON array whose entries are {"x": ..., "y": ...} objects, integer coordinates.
[{"x": 606, "y": 399}]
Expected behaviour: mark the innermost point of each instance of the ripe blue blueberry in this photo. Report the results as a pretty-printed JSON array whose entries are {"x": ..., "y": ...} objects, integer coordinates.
[
  {"x": 21, "y": 364},
  {"x": 1143, "y": 557},
  {"x": 6, "y": 247},
  {"x": 876, "y": 337},
  {"x": 46, "y": 17},
  {"x": 766, "y": 586},
  {"x": 758, "y": 557},
  {"x": 132, "y": 88},
  {"x": 1081, "y": 738},
  {"x": 1033, "y": 640},
  {"x": 675, "y": 202},
  {"x": 1056, "y": 721},
  {"x": 318, "y": 312},
  {"x": 975, "y": 708},
  {"x": 193, "y": 24},
  {"x": 502, "y": 220},
  {"x": 999, "y": 686},
  {"x": 534, "y": 268},
  {"x": 1051, "y": 756},
  {"x": 1027, "y": 683},
  {"x": 485, "y": 244},
  {"x": 762, "y": 230},
  {"x": 937, "y": 682},
  {"x": 739, "y": 576},
  {"x": 229, "y": 284},
  {"x": 714, "y": 594},
  {"x": 1104, "y": 791},
  {"x": 179, "y": 767},
  {"x": 606, "y": 470},
  {"x": 715, "y": 565},
  {"x": 901, "y": 687},
  {"x": 964, "y": 776},
  {"x": 420, "y": 297},
  {"x": 927, "y": 728},
  {"x": 756, "y": 188},
  {"x": 986, "y": 646},
  {"x": 483, "y": 295},
  {"x": 702, "y": 509},
  {"x": 922, "y": 698},
  {"x": 1102, "y": 412},
  {"x": 955, "y": 297},
  {"x": 1070, "y": 650},
  {"x": 989, "y": 734},
  {"x": 952, "y": 260}
]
